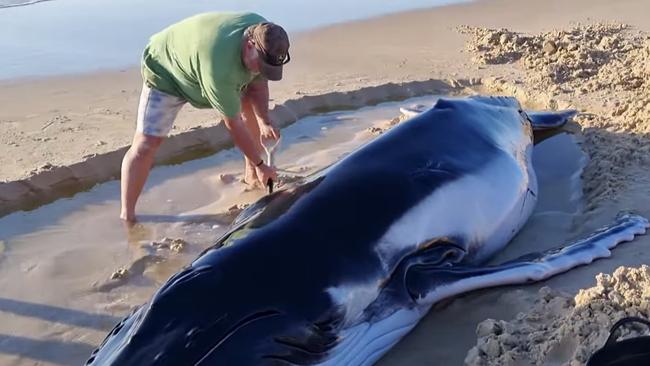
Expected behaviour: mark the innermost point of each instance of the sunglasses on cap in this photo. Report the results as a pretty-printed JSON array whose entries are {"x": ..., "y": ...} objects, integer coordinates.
[{"x": 272, "y": 60}]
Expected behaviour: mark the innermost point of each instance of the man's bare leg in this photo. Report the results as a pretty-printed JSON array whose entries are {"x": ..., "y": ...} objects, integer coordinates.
[
  {"x": 250, "y": 119},
  {"x": 136, "y": 165}
]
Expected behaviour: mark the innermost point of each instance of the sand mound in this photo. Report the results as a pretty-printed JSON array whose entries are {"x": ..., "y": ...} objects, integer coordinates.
[
  {"x": 608, "y": 63},
  {"x": 175, "y": 245},
  {"x": 563, "y": 330},
  {"x": 582, "y": 58}
]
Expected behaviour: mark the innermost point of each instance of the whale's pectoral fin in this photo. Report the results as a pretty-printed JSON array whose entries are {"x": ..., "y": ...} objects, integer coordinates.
[
  {"x": 437, "y": 253},
  {"x": 409, "y": 280},
  {"x": 429, "y": 284}
]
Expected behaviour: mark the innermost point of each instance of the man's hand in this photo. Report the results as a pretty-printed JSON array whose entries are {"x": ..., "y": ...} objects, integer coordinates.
[
  {"x": 266, "y": 173},
  {"x": 269, "y": 132}
]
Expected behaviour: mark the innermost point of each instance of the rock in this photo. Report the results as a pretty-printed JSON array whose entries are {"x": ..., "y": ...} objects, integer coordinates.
[
  {"x": 491, "y": 348},
  {"x": 549, "y": 47},
  {"x": 177, "y": 245},
  {"x": 487, "y": 327},
  {"x": 473, "y": 357},
  {"x": 119, "y": 274}
]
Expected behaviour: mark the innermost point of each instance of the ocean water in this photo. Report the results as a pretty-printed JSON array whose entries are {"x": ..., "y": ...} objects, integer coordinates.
[
  {"x": 70, "y": 36},
  {"x": 12, "y": 3}
]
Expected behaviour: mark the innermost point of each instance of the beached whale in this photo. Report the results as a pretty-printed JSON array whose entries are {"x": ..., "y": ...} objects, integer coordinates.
[{"x": 337, "y": 270}]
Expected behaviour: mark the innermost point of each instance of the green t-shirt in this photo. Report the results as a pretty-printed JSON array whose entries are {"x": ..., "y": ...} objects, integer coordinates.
[{"x": 199, "y": 59}]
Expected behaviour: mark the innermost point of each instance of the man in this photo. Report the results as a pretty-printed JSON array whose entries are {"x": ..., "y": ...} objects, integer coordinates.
[{"x": 212, "y": 60}]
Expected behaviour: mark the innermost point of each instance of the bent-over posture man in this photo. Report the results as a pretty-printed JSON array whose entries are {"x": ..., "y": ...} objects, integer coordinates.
[{"x": 213, "y": 60}]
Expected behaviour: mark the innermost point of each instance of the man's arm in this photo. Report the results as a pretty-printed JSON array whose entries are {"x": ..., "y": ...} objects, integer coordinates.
[
  {"x": 258, "y": 93},
  {"x": 226, "y": 99},
  {"x": 242, "y": 138}
]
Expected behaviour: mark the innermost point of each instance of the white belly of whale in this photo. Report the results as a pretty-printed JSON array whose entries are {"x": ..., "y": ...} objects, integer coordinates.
[{"x": 484, "y": 209}]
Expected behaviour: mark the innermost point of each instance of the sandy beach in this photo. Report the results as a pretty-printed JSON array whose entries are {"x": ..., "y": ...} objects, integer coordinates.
[{"x": 70, "y": 271}]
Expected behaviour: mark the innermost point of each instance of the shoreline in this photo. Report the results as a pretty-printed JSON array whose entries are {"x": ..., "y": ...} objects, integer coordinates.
[
  {"x": 135, "y": 66},
  {"x": 90, "y": 48},
  {"x": 32, "y": 2}
]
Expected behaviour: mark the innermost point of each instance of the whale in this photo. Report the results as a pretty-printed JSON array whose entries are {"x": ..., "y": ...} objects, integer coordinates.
[{"x": 338, "y": 269}]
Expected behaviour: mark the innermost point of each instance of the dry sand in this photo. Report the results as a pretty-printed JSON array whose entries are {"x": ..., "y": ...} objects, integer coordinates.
[
  {"x": 58, "y": 297},
  {"x": 561, "y": 329}
]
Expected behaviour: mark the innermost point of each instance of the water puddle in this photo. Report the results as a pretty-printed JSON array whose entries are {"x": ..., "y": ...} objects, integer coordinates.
[{"x": 70, "y": 269}]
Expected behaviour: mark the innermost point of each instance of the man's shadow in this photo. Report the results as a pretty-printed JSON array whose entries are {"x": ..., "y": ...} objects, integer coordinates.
[
  {"x": 46, "y": 350},
  {"x": 51, "y": 350}
]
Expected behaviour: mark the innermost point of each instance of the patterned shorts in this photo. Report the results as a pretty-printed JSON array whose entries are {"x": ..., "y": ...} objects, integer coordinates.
[{"x": 157, "y": 112}]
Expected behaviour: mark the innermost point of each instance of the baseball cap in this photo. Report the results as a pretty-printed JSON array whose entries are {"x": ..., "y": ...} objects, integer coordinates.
[{"x": 272, "y": 44}]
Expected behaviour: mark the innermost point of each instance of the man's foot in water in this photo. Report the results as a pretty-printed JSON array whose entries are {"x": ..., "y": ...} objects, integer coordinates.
[{"x": 250, "y": 178}]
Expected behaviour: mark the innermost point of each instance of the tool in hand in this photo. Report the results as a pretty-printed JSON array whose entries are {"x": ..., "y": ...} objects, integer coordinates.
[{"x": 270, "y": 150}]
